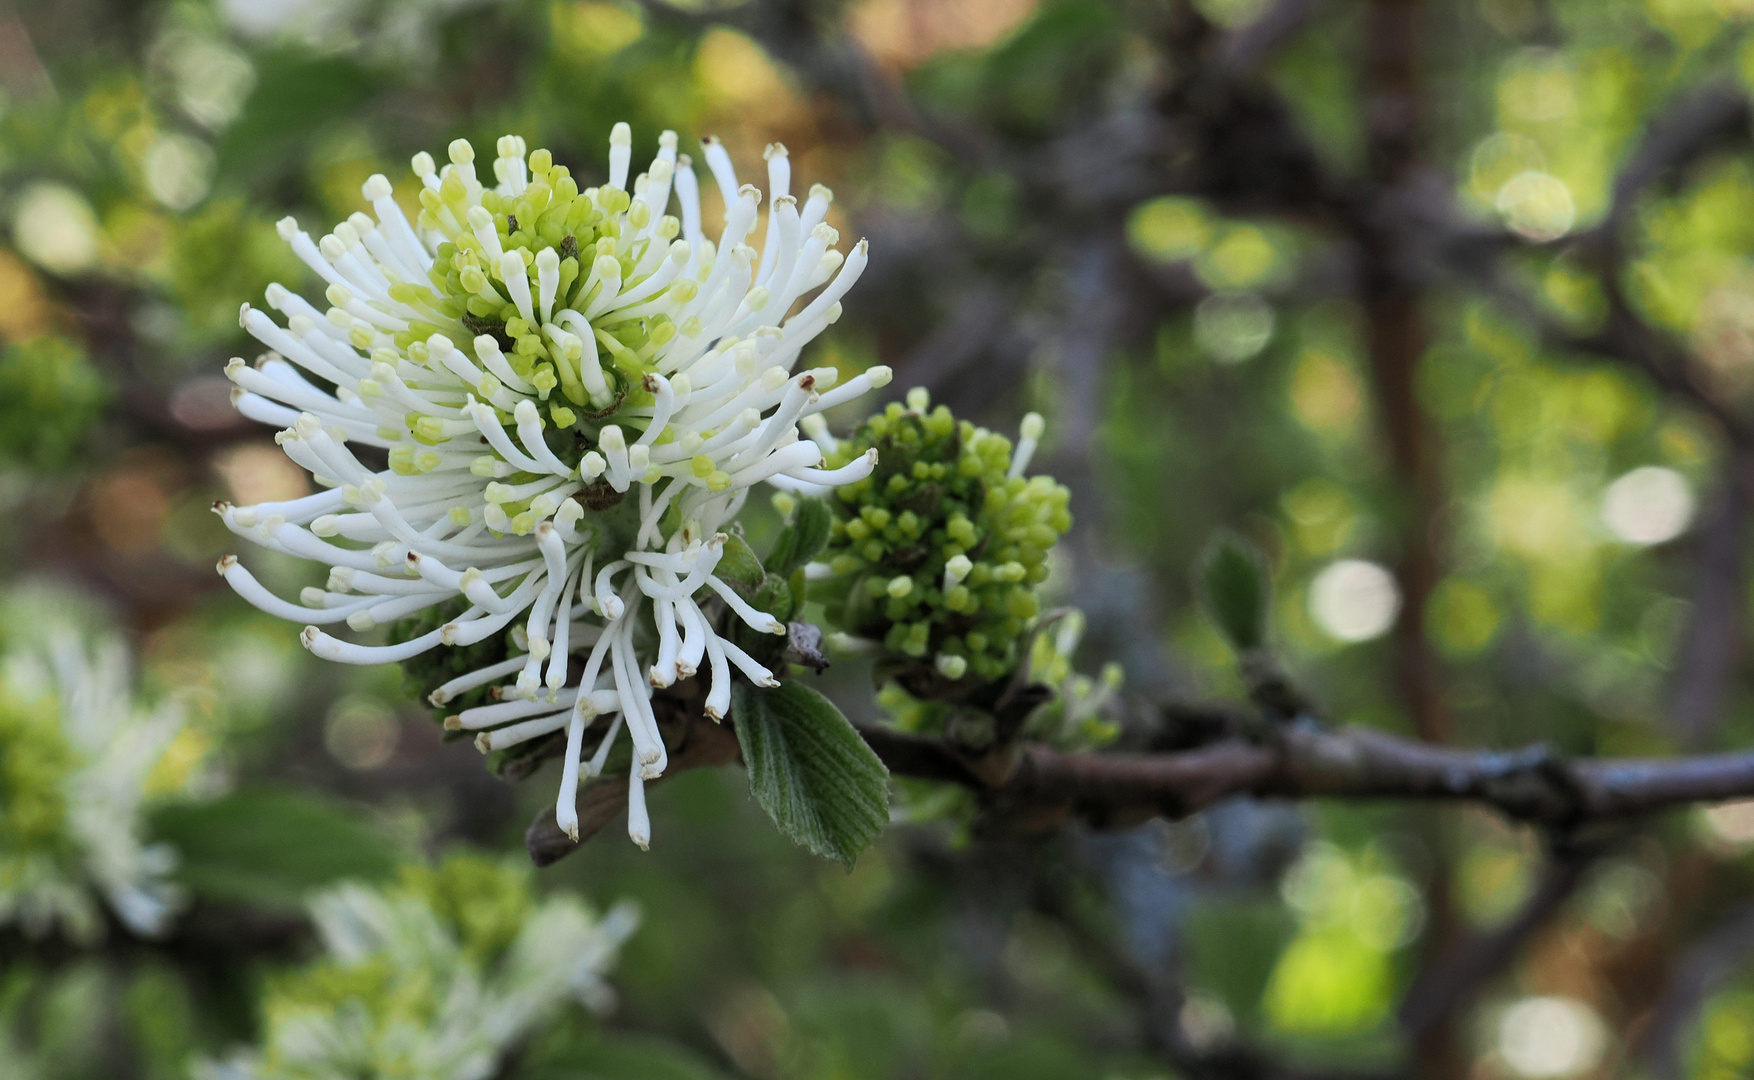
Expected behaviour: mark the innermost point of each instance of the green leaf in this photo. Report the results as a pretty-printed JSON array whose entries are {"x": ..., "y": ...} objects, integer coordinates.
[
  {"x": 271, "y": 848},
  {"x": 1235, "y": 589},
  {"x": 738, "y": 565},
  {"x": 810, "y": 770},
  {"x": 803, "y": 539}
]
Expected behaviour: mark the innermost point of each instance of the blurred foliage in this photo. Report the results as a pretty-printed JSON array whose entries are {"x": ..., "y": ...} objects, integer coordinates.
[
  {"x": 50, "y": 396},
  {"x": 293, "y": 844}
]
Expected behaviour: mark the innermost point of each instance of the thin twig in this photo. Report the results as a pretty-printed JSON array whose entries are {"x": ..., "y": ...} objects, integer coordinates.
[{"x": 1709, "y": 652}]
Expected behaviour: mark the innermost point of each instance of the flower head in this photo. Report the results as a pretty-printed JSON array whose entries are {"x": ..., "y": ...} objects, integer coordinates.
[
  {"x": 574, "y": 390},
  {"x": 77, "y": 759}
]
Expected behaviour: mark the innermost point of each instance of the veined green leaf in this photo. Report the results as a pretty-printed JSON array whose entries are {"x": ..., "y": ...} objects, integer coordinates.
[{"x": 810, "y": 770}]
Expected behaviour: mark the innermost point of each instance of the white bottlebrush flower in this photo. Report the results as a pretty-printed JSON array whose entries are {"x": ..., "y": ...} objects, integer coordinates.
[
  {"x": 77, "y": 752},
  {"x": 353, "y": 1012},
  {"x": 575, "y": 390}
]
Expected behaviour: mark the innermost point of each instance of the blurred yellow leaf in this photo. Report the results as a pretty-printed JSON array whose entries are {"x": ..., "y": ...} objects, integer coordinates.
[
  {"x": 594, "y": 31},
  {"x": 1328, "y": 982}
]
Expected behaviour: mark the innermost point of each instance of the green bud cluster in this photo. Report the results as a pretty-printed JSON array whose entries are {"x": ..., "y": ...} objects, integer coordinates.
[{"x": 940, "y": 550}]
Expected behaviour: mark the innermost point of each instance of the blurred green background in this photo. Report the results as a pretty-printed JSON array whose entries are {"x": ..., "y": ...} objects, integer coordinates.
[{"x": 1202, "y": 361}]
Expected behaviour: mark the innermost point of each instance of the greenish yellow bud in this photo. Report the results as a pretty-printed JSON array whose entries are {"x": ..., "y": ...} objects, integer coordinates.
[{"x": 941, "y": 493}]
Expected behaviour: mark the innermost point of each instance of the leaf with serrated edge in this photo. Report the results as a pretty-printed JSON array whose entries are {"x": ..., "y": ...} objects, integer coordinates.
[{"x": 810, "y": 770}]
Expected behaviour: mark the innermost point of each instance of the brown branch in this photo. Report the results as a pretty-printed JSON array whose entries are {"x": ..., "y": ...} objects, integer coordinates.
[
  {"x": 1034, "y": 788},
  {"x": 1534, "y": 784},
  {"x": 1391, "y": 292}
]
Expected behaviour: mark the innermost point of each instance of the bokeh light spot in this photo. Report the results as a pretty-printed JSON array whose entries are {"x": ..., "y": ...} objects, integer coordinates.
[
  {"x": 1232, "y": 327},
  {"x": 1550, "y": 1037},
  {"x": 1322, "y": 515},
  {"x": 1169, "y": 228},
  {"x": 260, "y": 474},
  {"x": 178, "y": 171},
  {"x": 1461, "y": 617},
  {"x": 1354, "y": 600},
  {"x": 1537, "y": 206},
  {"x": 594, "y": 31},
  {"x": 1537, "y": 518},
  {"x": 55, "y": 228},
  {"x": 1325, "y": 394},
  {"x": 1648, "y": 505},
  {"x": 1499, "y": 157},
  {"x": 1241, "y": 258},
  {"x": 360, "y": 732},
  {"x": 1538, "y": 87}
]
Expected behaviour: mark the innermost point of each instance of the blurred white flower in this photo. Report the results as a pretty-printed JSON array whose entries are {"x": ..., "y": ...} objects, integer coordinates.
[
  {"x": 403, "y": 990},
  {"x": 77, "y": 752}
]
